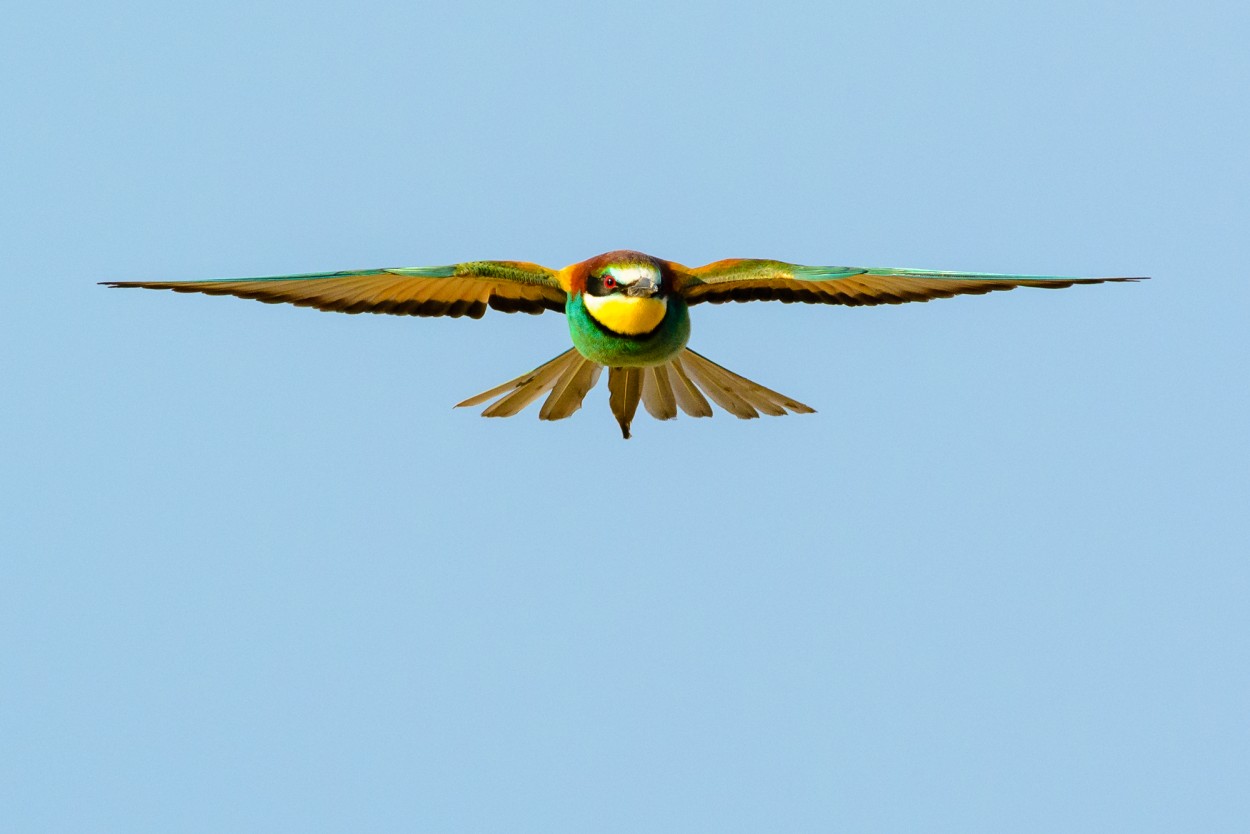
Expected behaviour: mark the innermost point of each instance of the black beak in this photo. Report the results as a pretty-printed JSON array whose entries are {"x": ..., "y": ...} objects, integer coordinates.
[{"x": 642, "y": 288}]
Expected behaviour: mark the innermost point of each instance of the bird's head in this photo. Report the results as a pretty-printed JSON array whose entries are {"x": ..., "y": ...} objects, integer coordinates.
[{"x": 626, "y": 292}]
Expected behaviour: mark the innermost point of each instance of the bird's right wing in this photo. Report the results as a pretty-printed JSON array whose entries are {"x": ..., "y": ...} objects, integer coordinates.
[{"x": 465, "y": 289}]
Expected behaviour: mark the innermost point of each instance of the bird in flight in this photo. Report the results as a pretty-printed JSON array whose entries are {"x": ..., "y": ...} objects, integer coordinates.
[{"x": 627, "y": 312}]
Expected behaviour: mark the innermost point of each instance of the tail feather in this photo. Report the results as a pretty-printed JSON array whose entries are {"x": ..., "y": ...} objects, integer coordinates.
[
  {"x": 520, "y": 392},
  {"x": 542, "y": 381},
  {"x": 765, "y": 399},
  {"x": 625, "y": 389},
  {"x": 657, "y": 393},
  {"x": 748, "y": 393},
  {"x": 688, "y": 395},
  {"x": 478, "y": 399},
  {"x": 662, "y": 389},
  {"x": 706, "y": 379},
  {"x": 570, "y": 389}
]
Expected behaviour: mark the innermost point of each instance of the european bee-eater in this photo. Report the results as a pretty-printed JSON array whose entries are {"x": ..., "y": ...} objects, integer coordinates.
[{"x": 627, "y": 311}]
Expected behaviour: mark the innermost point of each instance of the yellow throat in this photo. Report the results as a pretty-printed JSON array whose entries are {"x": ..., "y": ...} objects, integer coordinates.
[{"x": 628, "y": 315}]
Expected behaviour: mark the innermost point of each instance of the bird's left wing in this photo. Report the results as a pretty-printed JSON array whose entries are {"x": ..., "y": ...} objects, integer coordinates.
[
  {"x": 756, "y": 280},
  {"x": 465, "y": 289}
]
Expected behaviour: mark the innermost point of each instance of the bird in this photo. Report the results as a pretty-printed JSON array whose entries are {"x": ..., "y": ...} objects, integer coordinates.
[{"x": 627, "y": 311}]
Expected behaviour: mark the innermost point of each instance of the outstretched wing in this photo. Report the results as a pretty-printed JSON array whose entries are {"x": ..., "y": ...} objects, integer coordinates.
[
  {"x": 752, "y": 280},
  {"x": 465, "y": 289}
]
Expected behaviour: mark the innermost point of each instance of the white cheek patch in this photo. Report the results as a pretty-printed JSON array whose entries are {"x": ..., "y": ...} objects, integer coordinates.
[{"x": 627, "y": 275}]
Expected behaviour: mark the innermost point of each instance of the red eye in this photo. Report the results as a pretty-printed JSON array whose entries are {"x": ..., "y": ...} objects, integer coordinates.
[{"x": 608, "y": 282}]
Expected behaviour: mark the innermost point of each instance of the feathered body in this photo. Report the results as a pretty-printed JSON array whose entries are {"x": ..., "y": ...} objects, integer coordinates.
[
  {"x": 610, "y": 326},
  {"x": 627, "y": 311}
]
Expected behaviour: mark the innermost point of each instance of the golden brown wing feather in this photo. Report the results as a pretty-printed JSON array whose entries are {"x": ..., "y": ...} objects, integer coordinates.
[
  {"x": 760, "y": 280},
  {"x": 466, "y": 289}
]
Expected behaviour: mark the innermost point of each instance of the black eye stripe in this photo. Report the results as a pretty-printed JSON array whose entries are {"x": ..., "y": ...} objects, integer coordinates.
[{"x": 605, "y": 283}]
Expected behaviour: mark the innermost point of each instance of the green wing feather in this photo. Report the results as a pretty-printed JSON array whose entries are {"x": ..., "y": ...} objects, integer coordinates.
[
  {"x": 759, "y": 280},
  {"x": 465, "y": 289}
]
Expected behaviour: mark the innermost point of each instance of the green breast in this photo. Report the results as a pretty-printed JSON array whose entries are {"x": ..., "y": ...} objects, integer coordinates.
[{"x": 616, "y": 351}]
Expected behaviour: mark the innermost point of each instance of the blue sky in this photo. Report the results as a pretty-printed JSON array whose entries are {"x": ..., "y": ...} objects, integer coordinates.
[{"x": 259, "y": 576}]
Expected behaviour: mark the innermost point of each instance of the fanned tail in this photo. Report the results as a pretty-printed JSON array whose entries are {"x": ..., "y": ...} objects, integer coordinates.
[{"x": 662, "y": 389}]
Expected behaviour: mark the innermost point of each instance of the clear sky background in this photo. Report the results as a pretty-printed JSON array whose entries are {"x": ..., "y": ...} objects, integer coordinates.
[{"x": 257, "y": 575}]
